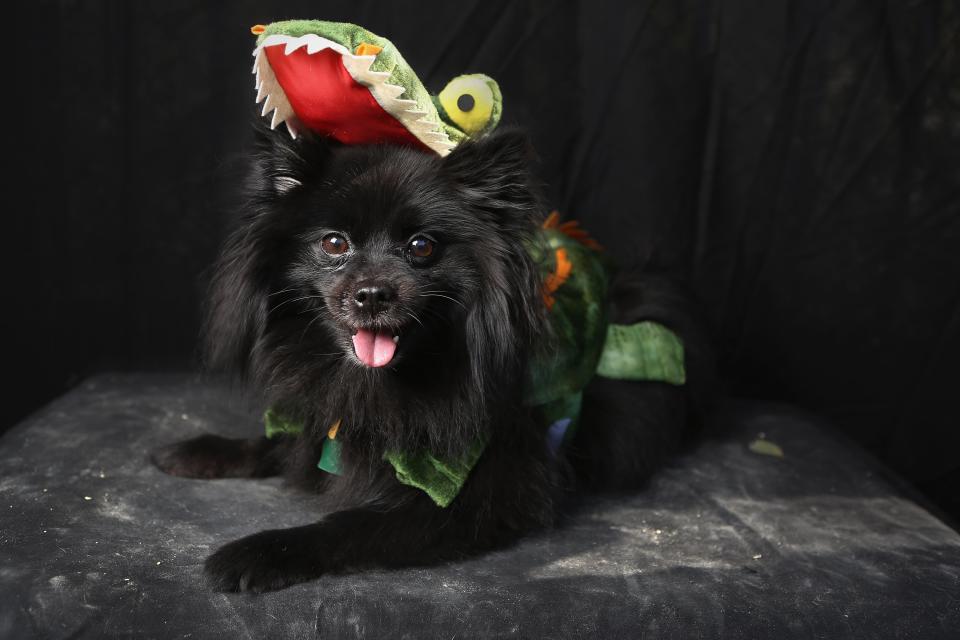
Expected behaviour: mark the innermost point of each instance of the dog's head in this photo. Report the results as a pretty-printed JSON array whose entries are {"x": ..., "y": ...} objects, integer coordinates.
[{"x": 367, "y": 265}]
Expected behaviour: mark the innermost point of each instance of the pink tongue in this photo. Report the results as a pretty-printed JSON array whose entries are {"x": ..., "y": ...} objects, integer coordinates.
[{"x": 374, "y": 348}]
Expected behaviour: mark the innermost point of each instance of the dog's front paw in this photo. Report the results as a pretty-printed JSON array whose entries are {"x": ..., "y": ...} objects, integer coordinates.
[
  {"x": 265, "y": 561},
  {"x": 207, "y": 456}
]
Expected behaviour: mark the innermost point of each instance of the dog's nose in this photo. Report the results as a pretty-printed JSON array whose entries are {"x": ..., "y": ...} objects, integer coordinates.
[{"x": 374, "y": 298}]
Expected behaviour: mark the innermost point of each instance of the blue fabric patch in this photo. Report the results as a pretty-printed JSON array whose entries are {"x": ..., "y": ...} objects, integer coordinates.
[{"x": 555, "y": 434}]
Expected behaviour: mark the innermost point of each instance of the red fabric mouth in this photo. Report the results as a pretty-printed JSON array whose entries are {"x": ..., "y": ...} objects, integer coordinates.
[
  {"x": 374, "y": 348},
  {"x": 330, "y": 102}
]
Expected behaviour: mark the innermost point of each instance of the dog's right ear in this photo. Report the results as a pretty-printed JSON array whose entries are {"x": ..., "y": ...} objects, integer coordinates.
[
  {"x": 283, "y": 163},
  {"x": 236, "y": 304},
  {"x": 246, "y": 271}
]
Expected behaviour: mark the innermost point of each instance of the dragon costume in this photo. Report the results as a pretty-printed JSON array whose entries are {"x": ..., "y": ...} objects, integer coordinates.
[{"x": 342, "y": 81}]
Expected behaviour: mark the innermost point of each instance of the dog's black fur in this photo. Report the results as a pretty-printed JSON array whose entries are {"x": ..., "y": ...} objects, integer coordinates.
[{"x": 282, "y": 312}]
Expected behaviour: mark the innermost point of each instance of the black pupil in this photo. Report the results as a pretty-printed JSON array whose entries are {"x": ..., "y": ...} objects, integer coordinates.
[{"x": 465, "y": 102}]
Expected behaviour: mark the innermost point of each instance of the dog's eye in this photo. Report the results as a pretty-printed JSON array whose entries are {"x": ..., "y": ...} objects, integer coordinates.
[
  {"x": 334, "y": 244},
  {"x": 421, "y": 247}
]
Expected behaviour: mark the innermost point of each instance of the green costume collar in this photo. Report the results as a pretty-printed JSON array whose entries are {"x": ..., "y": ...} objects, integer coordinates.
[{"x": 440, "y": 478}]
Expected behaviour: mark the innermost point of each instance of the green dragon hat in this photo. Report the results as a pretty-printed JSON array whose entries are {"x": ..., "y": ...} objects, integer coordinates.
[{"x": 340, "y": 80}]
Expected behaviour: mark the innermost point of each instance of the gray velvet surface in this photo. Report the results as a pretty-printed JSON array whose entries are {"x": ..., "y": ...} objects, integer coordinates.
[{"x": 96, "y": 543}]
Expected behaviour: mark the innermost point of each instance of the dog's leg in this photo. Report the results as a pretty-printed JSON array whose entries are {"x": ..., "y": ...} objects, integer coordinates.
[
  {"x": 346, "y": 540},
  {"x": 507, "y": 495},
  {"x": 629, "y": 428},
  {"x": 211, "y": 456}
]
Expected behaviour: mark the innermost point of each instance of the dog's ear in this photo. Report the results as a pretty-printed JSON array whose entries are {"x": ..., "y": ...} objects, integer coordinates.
[
  {"x": 236, "y": 306},
  {"x": 245, "y": 273},
  {"x": 282, "y": 163},
  {"x": 494, "y": 174}
]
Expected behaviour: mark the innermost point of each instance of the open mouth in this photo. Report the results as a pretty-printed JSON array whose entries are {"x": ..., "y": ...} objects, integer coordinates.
[
  {"x": 313, "y": 82},
  {"x": 375, "y": 347}
]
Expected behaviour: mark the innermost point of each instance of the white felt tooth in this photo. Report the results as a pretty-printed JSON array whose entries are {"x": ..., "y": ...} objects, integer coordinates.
[
  {"x": 268, "y": 105},
  {"x": 292, "y": 130},
  {"x": 273, "y": 121},
  {"x": 416, "y": 128},
  {"x": 293, "y": 45},
  {"x": 314, "y": 45},
  {"x": 354, "y": 67},
  {"x": 284, "y": 111},
  {"x": 393, "y": 90},
  {"x": 408, "y": 112},
  {"x": 361, "y": 64}
]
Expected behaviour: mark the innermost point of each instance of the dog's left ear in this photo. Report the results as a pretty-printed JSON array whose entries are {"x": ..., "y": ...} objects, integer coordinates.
[{"x": 494, "y": 174}]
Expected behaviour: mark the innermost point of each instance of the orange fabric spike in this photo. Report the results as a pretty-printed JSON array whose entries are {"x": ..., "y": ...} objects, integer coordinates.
[
  {"x": 552, "y": 220},
  {"x": 366, "y": 49},
  {"x": 572, "y": 229},
  {"x": 557, "y": 278},
  {"x": 257, "y": 29},
  {"x": 332, "y": 433}
]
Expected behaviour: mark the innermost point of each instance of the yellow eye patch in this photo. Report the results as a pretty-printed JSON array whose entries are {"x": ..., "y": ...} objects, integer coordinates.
[{"x": 470, "y": 103}]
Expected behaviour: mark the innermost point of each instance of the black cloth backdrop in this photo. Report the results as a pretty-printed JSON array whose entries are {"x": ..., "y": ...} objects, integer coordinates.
[{"x": 797, "y": 160}]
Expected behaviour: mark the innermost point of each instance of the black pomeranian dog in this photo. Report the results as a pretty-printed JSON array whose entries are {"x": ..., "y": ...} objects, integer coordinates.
[{"x": 393, "y": 291}]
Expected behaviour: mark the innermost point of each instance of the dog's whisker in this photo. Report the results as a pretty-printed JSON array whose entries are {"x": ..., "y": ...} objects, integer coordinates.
[
  {"x": 440, "y": 295},
  {"x": 413, "y": 316},
  {"x": 433, "y": 313},
  {"x": 307, "y": 328},
  {"x": 275, "y": 307},
  {"x": 276, "y": 293}
]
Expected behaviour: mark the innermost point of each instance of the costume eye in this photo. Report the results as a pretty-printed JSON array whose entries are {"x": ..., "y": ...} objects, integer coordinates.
[
  {"x": 334, "y": 244},
  {"x": 421, "y": 247},
  {"x": 471, "y": 103}
]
